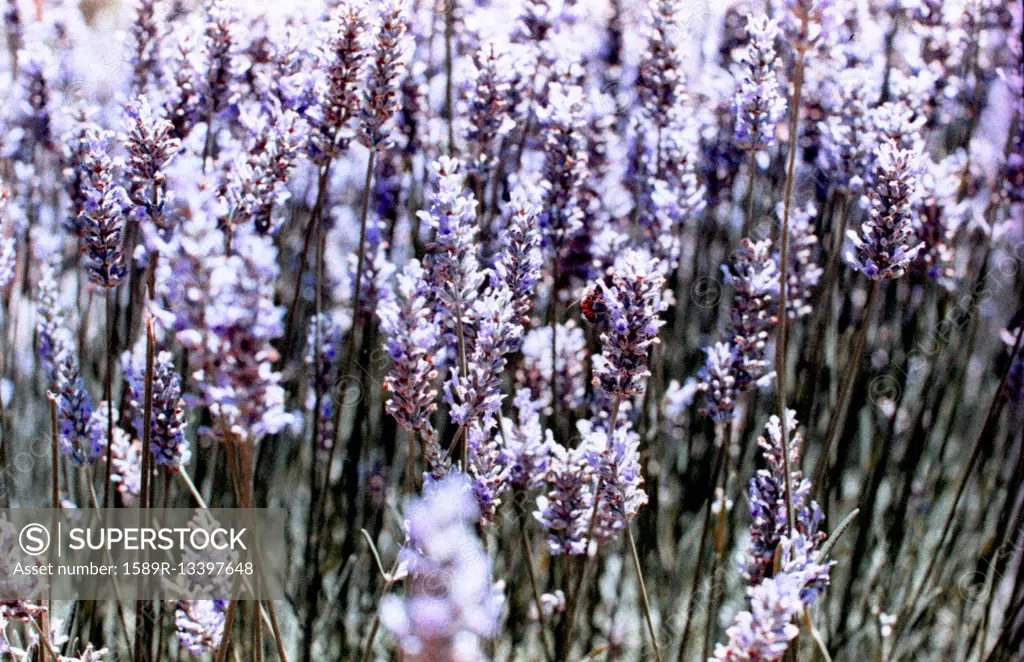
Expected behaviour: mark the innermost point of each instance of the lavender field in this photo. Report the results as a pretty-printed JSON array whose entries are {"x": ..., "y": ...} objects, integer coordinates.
[{"x": 561, "y": 330}]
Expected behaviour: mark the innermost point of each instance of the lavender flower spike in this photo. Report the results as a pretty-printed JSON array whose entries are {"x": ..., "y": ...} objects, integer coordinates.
[
  {"x": 564, "y": 512},
  {"x": 718, "y": 382},
  {"x": 408, "y": 321},
  {"x": 763, "y": 633},
  {"x": 151, "y": 144},
  {"x": 386, "y": 67},
  {"x": 759, "y": 105},
  {"x": 519, "y": 264},
  {"x": 450, "y": 602},
  {"x": 345, "y": 52},
  {"x": 616, "y": 460},
  {"x": 200, "y": 625},
  {"x": 634, "y": 302},
  {"x": 881, "y": 250},
  {"x": 755, "y": 277},
  {"x": 74, "y": 410},
  {"x": 102, "y": 217}
]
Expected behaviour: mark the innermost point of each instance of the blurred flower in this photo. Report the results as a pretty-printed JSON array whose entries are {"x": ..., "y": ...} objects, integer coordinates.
[{"x": 450, "y": 602}]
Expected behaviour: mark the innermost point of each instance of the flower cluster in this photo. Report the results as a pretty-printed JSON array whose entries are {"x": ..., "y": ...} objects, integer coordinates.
[
  {"x": 882, "y": 250},
  {"x": 102, "y": 217},
  {"x": 634, "y": 302},
  {"x": 450, "y": 603},
  {"x": 758, "y": 104}
]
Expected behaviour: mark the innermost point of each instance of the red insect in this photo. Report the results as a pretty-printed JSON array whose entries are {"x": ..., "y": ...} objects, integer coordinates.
[{"x": 592, "y": 304}]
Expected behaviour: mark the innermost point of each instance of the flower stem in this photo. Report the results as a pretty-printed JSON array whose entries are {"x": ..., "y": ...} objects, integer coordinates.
[
  {"x": 780, "y": 342},
  {"x": 846, "y": 388},
  {"x": 643, "y": 593},
  {"x": 108, "y": 389}
]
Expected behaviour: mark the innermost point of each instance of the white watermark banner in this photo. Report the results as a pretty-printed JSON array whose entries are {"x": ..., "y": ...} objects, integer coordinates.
[{"x": 130, "y": 554}]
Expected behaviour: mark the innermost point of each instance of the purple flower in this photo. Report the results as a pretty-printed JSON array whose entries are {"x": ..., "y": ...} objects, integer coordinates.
[
  {"x": 758, "y": 104},
  {"x": 755, "y": 277},
  {"x": 167, "y": 429},
  {"x": 150, "y": 144},
  {"x": 412, "y": 339},
  {"x": 487, "y": 464},
  {"x": 386, "y": 67},
  {"x": 763, "y": 633},
  {"x": 634, "y": 302},
  {"x": 768, "y": 500},
  {"x": 570, "y": 366},
  {"x": 615, "y": 460},
  {"x": 718, "y": 380},
  {"x": 453, "y": 269},
  {"x": 518, "y": 265},
  {"x": 661, "y": 82},
  {"x": 51, "y": 329},
  {"x": 882, "y": 249},
  {"x": 488, "y": 98},
  {"x": 147, "y": 32},
  {"x": 74, "y": 410},
  {"x": 528, "y": 444},
  {"x": 200, "y": 625},
  {"x": 563, "y": 125},
  {"x": 450, "y": 602},
  {"x": 344, "y": 53},
  {"x": 804, "y": 268},
  {"x": 565, "y": 511},
  {"x": 496, "y": 333},
  {"x": 845, "y": 154},
  {"x": 102, "y": 216}
]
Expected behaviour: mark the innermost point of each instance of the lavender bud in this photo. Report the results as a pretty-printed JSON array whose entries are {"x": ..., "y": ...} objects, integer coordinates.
[
  {"x": 758, "y": 104},
  {"x": 718, "y": 380},
  {"x": 102, "y": 217},
  {"x": 150, "y": 145},
  {"x": 615, "y": 459},
  {"x": 386, "y": 67},
  {"x": 519, "y": 264},
  {"x": 882, "y": 251},
  {"x": 634, "y": 301},
  {"x": 564, "y": 512}
]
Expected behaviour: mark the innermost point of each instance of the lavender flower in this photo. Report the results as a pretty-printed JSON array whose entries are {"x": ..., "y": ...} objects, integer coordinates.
[
  {"x": 634, "y": 301},
  {"x": 564, "y": 512},
  {"x": 386, "y": 67},
  {"x": 126, "y": 460},
  {"x": 220, "y": 42},
  {"x": 882, "y": 251},
  {"x": 200, "y": 625},
  {"x": 345, "y": 53},
  {"x": 759, "y": 105},
  {"x": 150, "y": 144},
  {"x": 167, "y": 432},
  {"x": 718, "y": 380},
  {"x": 755, "y": 277},
  {"x": 845, "y": 156},
  {"x": 804, "y": 268},
  {"x": 74, "y": 411},
  {"x": 453, "y": 270},
  {"x": 412, "y": 334},
  {"x": 660, "y": 79},
  {"x": 487, "y": 464},
  {"x": 450, "y": 603},
  {"x": 51, "y": 330},
  {"x": 565, "y": 170},
  {"x": 184, "y": 105},
  {"x": 476, "y": 394},
  {"x": 527, "y": 445},
  {"x": 102, "y": 217},
  {"x": 519, "y": 265},
  {"x": 570, "y": 366},
  {"x": 146, "y": 33},
  {"x": 763, "y": 633},
  {"x": 270, "y": 161},
  {"x": 615, "y": 459},
  {"x": 768, "y": 500},
  {"x": 488, "y": 99}
]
